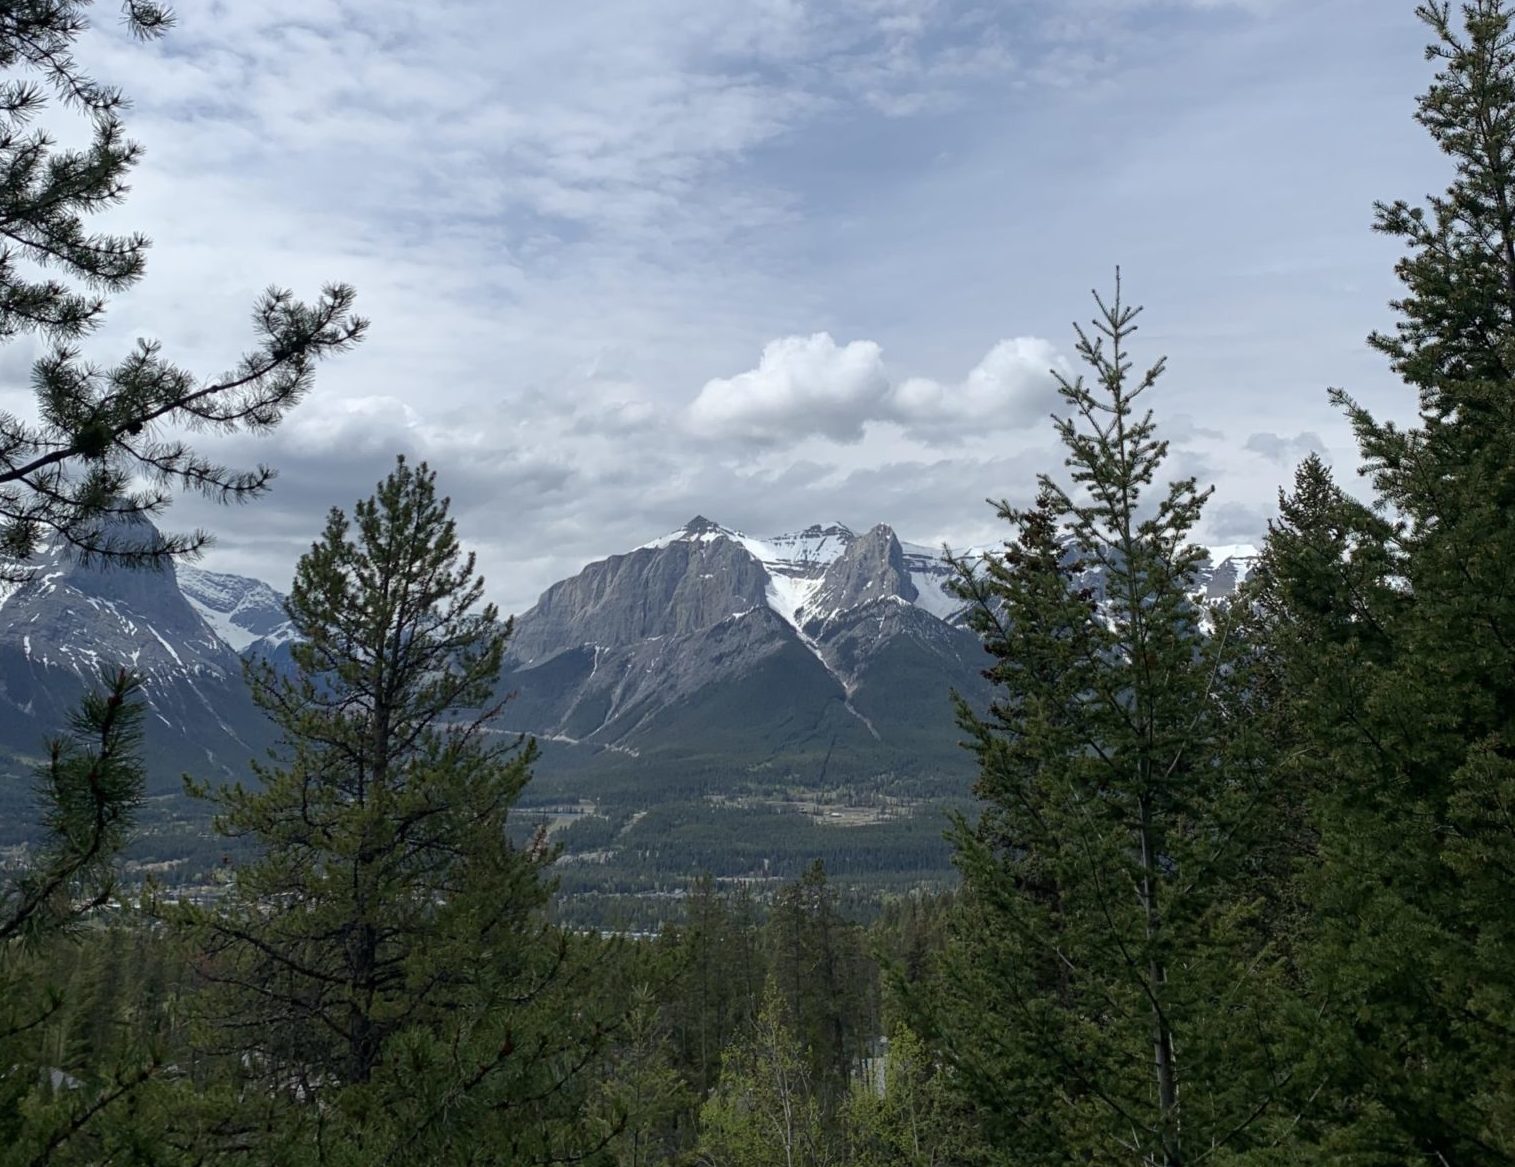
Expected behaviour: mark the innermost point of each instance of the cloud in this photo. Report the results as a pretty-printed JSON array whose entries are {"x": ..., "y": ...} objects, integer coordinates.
[
  {"x": 806, "y": 386},
  {"x": 801, "y": 386},
  {"x": 1010, "y": 388},
  {"x": 575, "y": 226},
  {"x": 1287, "y": 451},
  {"x": 1236, "y": 522}
]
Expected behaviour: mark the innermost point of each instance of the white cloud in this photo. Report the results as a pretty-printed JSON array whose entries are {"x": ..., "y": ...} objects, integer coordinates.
[
  {"x": 802, "y": 385},
  {"x": 565, "y": 220},
  {"x": 1010, "y": 388},
  {"x": 806, "y": 386}
]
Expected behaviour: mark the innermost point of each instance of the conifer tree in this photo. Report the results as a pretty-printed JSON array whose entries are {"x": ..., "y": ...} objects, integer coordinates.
[
  {"x": 719, "y": 959},
  {"x": 1396, "y": 620},
  {"x": 642, "y": 1093},
  {"x": 102, "y": 445},
  {"x": 818, "y": 963},
  {"x": 89, "y": 791},
  {"x": 1107, "y": 990},
  {"x": 383, "y": 972}
]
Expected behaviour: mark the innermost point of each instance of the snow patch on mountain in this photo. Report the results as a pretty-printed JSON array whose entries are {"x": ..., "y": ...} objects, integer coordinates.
[
  {"x": 788, "y": 595},
  {"x": 239, "y": 610},
  {"x": 931, "y": 575},
  {"x": 1242, "y": 556}
]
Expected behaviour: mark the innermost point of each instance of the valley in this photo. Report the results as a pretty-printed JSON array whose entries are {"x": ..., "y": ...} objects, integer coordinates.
[{"x": 707, "y": 702}]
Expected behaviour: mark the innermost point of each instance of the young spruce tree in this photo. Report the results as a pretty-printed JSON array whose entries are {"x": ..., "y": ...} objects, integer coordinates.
[
  {"x": 1108, "y": 988},
  {"x": 382, "y": 975}
]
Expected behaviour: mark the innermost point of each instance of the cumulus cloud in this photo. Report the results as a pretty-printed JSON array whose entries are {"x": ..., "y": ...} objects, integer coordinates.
[
  {"x": 566, "y": 220},
  {"x": 806, "y": 386},
  {"x": 802, "y": 385},
  {"x": 1011, "y": 387}
]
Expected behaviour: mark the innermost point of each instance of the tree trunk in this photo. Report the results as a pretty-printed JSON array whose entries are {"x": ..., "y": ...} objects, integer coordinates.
[{"x": 1162, "y": 1035}]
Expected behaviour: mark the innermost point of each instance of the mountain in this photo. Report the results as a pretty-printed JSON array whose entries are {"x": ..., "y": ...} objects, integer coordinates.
[
  {"x": 799, "y": 658},
  {"x": 709, "y": 701},
  {"x": 822, "y": 652},
  {"x": 247, "y": 614},
  {"x": 792, "y": 657},
  {"x": 70, "y": 621}
]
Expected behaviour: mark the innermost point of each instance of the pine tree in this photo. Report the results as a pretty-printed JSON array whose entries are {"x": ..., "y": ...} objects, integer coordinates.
[
  {"x": 1396, "y": 620},
  {"x": 1108, "y": 988},
  {"x": 89, "y": 792},
  {"x": 102, "y": 433},
  {"x": 719, "y": 982},
  {"x": 383, "y": 971}
]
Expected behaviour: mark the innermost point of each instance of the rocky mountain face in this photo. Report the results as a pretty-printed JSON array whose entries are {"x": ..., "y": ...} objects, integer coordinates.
[
  {"x": 246, "y": 614},
  {"x": 786, "y": 655},
  {"x": 789, "y": 655},
  {"x": 70, "y": 622},
  {"x": 707, "y": 650}
]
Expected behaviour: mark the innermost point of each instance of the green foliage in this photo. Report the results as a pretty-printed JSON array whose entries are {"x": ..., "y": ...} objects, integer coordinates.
[
  {"x": 1108, "y": 989},
  {"x": 89, "y": 792},
  {"x": 1395, "y": 628},
  {"x": 765, "y": 1110},
  {"x": 818, "y": 962},
  {"x": 64, "y": 1074},
  {"x": 719, "y": 954},
  {"x": 383, "y": 972},
  {"x": 643, "y": 1093},
  {"x": 911, "y": 1117},
  {"x": 100, "y": 433}
]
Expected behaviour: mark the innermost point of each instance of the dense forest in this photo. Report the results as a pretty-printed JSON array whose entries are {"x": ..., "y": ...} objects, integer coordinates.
[{"x": 1237, "y": 885}]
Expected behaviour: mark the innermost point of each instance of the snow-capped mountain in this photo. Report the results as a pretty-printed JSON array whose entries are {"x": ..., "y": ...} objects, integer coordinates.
[
  {"x": 709, "y": 643},
  {"x": 247, "y": 614},
  {"x": 819, "y": 643},
  {"x": 707, "y": 647},
  {"x": 1228, "y": 569},
  {"x": 69, "y": 622}
]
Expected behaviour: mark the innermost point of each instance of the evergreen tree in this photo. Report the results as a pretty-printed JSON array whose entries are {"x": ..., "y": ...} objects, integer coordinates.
[
  {"x": 643, "y": 1094},
  {"x": 1108, "y": 989},
  {"x": 102, "y": 433},
  {"x": 719, "y": 982},
  {"x": 818, "y": 962},
  {"x": 89, "y": 792},
  {"x": 53, "y": 1089},
  {"x": 1396, "y": 623},
  {"x": 383, "y": 971}
]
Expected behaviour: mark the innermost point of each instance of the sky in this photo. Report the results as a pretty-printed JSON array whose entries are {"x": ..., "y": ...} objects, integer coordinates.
[{"x": 775, "y": 262}]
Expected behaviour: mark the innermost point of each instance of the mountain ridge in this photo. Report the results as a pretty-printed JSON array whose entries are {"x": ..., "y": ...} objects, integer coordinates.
[{"x": 705, "y": 646}]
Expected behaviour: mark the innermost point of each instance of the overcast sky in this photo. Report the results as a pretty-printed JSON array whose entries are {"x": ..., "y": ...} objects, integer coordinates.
[{"x": 771, "y": 261}]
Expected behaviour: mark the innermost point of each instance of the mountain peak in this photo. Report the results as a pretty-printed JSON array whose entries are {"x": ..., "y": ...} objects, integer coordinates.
[
  {"x": 820, "y": 530},
  {"x": 700, "y": 525}
]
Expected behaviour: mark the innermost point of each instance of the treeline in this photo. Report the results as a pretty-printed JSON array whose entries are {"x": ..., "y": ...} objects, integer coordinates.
[{"x": 749, "y": 1023}]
